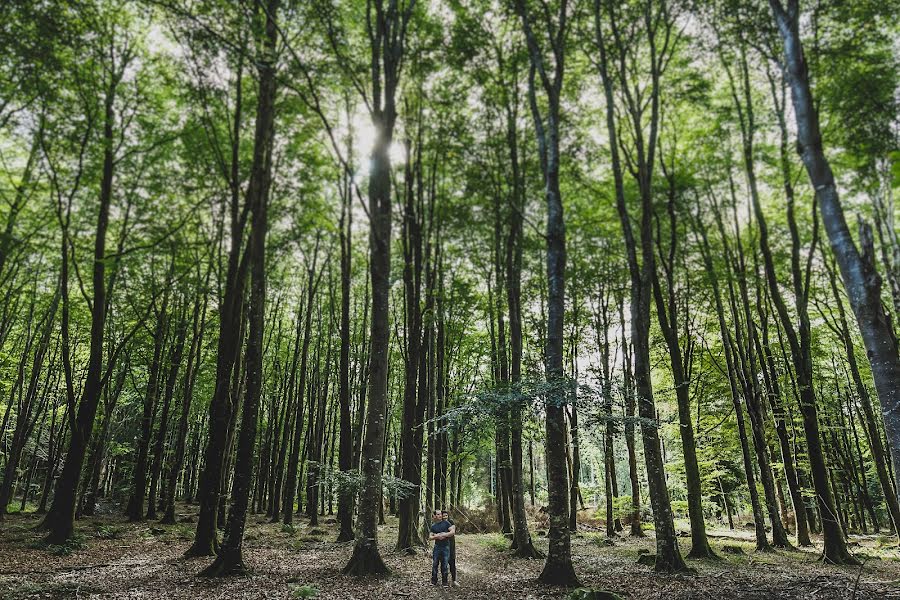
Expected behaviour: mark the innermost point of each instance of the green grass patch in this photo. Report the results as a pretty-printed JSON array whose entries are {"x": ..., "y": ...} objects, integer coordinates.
[
  {"x": 70, "y": 546},
  {"x": 494, "y": 541},
  {"x": 182, "y": 531},
  {"x": 598, "y": 539},
  {"x": 15, "y": 508},
  {"x": 109, "y": 532},
  {"x": 304, "y": 591}
]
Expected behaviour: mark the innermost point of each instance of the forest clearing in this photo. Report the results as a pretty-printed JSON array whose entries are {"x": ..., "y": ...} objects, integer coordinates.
[
  {"x": 580, "y": 299},
  {"x": 118, "y": 560}
]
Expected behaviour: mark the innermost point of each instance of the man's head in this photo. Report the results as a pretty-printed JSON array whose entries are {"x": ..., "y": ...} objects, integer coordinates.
[{"x": 437, "y": 515}]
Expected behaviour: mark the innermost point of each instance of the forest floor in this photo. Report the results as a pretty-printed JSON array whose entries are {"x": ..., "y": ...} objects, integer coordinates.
[{"x": 114, "y": 559}]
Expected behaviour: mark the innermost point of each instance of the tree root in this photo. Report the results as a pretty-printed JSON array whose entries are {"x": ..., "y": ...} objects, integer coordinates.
[{"x": 366, "y": 561}]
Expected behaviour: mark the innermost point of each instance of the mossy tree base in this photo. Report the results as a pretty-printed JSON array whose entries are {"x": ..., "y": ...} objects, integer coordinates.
[
  {"x": 560, "y": 574},
  {"x": 344, "y": 537},
  {"x": 226, "y": 564},
  {"x": 366, "y": 561},
  {"x": 670, "y": 563},
  {"x": 702, "y": 551},
  {"x": 527, "y": 550},
  {"x": 59, "y": 531},
  {"x": 202, "y": 548},
  {"x": 839, "y": 556}
]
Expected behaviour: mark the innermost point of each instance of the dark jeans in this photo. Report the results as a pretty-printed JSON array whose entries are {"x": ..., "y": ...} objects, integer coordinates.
[{"x": 441, "y": 553}]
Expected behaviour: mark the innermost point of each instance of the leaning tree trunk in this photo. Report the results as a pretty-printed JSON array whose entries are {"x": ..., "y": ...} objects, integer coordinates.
[
  {"x": 875, "y": 446},
  {"x": 667, "y": 316},
  {"x": 861, "y": 279}
]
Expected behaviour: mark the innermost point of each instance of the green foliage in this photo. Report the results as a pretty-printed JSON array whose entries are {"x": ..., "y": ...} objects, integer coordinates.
[
  {"x": 494, "y": 541},
  {"x": 109, "y": 532},
  {"x": 304, "y": 591},
  {"x": 72, "y": 545}
]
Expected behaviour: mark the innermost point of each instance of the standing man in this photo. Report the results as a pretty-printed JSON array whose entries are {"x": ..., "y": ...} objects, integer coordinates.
[
  {"x": 441, "y": 534},
  {"x": 446, "y": 515}
]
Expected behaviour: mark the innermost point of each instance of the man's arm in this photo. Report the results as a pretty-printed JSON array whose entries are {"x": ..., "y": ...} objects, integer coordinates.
[{"x": 452, "y": 532}]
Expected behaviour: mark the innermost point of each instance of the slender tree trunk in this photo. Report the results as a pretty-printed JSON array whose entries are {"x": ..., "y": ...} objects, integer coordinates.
[
  {"x": 60, "y": 520},
  {"x": 168, "y": 393},
  {"x": 386, "y": 57},
  {"x": 345, "y": 445},
  {"x": 194, "y": 360},
  {"x": 289, "y": 488},
  {"x": 230, "y": 556},
  {"x": 667, "y": 316},
  {"x": 630, "y": 406},
  {"x": 210, "y": 477},
  {"x": 24, "y": 421},
  {"x": 862, "y": 392}
]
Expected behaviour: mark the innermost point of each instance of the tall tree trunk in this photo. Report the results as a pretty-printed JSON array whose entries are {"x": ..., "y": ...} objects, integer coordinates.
[
  {"x": 60, "y": 520},
  {"x": 227, "y": 349},
  {"x": 415, "y": 353},
  {"x": 345, "y": 445},
  {"x": 387, "y": 39},
  {"x": 230, "y": 556},
  {"x": 862, "y": 392},
  {"x": 857, "y": 268},
  {"x": 558, "y": 568},
  {"x": 668, "y": 555},
  {"x": 630, "y": 406},
  {"x": 289, "y": 489},
  {"x": 194, "y": 360},
  {"x": 667, "y": 316},
  {"x": 168, "y": 393}
]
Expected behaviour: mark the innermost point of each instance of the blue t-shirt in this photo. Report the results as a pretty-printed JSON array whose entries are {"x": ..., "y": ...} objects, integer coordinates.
[{"x": 442, "y": 527}]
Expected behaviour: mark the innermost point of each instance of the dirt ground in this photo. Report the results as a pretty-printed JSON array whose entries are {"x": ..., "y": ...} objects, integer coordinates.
[{"x": 114, "y": 559}]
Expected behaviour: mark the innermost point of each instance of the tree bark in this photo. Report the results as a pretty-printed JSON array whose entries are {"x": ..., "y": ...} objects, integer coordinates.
[
  {"x": 387, "y": 39},
  {"x": 858, "y": 271},
  {"x": 230, "y": 555},
  {"x": 60, "y": 520},
  {"x": 558, "y": 568}
]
